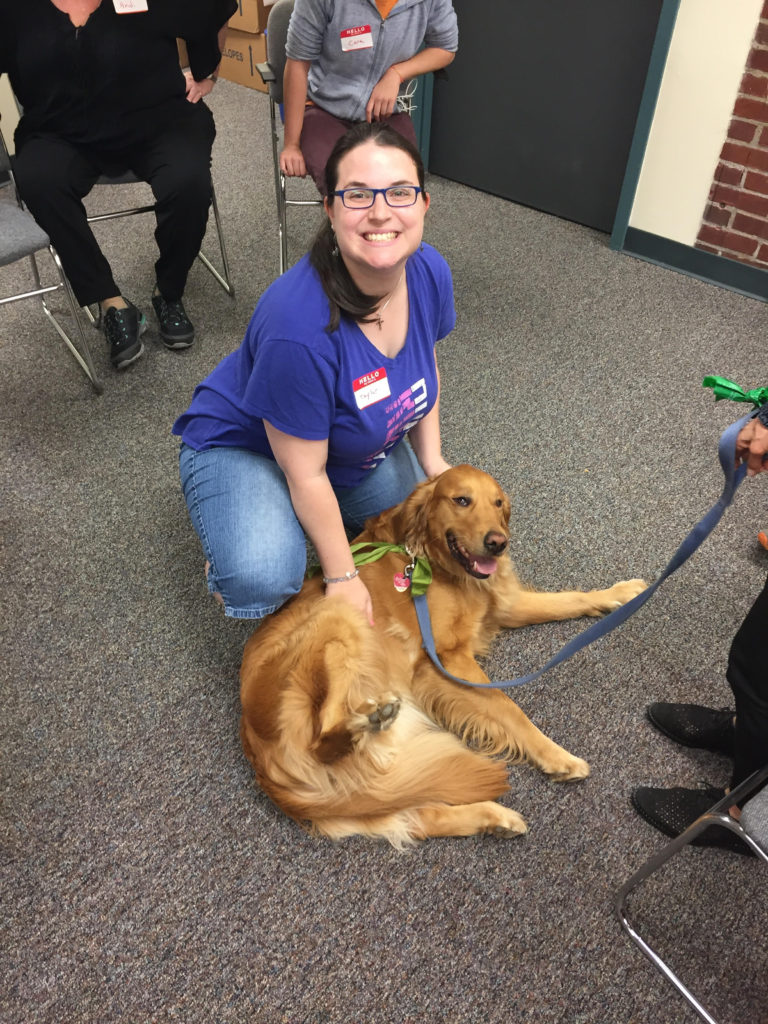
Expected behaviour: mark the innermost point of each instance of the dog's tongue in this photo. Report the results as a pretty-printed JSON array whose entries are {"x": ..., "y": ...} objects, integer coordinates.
[{"x": 486, "y": 566}]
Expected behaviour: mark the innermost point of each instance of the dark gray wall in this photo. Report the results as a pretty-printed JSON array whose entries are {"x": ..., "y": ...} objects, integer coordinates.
[{"x": 539, "y": 105}]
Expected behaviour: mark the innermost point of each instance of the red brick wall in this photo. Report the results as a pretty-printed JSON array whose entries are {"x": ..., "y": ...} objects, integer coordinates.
[{"x": 735, "y": 221}]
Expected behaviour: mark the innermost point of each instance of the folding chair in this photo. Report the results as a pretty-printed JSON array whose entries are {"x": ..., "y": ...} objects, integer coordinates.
[
  {"x": 20, "y": 237},
  {"x": 272, "y": 75},
  {"x": 752, "y": 829}
]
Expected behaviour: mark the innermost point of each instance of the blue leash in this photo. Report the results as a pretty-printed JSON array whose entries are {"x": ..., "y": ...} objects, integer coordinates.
[{"x": 733, "y": 477}]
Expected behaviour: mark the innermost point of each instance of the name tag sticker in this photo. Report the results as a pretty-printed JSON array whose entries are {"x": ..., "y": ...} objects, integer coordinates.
[
  {"x": 371, "y": 388},
  {"x": 359, "y": 38},
  {"x": 130, "y": 6}
]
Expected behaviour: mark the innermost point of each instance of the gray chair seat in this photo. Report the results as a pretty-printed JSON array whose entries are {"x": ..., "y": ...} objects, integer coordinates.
[
  {"x": 754, "y": 818},
  {"x": 21, "y": 233}
]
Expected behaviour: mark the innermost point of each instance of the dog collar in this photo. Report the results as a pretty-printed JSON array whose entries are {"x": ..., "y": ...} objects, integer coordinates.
[{"x": 416, "y": 575}]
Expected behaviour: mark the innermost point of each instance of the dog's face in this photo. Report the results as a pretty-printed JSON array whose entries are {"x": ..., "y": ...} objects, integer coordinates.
[{"x": 460, "y": 521}]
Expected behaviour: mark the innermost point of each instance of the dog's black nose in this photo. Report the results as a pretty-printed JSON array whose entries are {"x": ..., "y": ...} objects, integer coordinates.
[{"x": 494, "y": 542}]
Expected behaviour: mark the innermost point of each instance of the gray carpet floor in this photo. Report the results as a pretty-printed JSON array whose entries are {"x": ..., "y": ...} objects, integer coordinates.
[{"x": 146, "y": 879}]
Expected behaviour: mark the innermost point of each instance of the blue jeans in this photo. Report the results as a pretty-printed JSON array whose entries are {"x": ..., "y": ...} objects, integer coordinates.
[{"x": 241, "y": 508}]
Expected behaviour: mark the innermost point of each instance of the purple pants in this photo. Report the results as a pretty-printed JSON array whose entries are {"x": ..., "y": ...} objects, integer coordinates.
[{"x": 321, "y": 131}]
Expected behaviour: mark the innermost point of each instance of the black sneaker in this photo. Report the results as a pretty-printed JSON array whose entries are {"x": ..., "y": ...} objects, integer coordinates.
[
  {"x": 123, "y": 329},
  {"x": 671, "y": 811},
  {"x": 176, "y": 328},
  {"x": 695, "y": 726}
]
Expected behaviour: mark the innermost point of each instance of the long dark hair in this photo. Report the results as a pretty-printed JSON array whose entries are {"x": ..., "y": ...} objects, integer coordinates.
[{"x": 343, "y": 294}]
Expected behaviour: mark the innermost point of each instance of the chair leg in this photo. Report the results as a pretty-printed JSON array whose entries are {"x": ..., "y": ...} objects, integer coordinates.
[
  {"x": 94, "y": 321},
  {"x": 717, "y": 815},
  {"x": 640, "y": 876},
  {"x": 224, "y": 280},
  {"x": 83, "y": 357},
  {"x": 282, "y": 225},
  {"x": 282, "y": 234}
]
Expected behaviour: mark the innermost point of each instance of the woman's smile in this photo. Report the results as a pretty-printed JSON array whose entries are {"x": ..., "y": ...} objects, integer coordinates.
[{"x": 376, "y": 241}]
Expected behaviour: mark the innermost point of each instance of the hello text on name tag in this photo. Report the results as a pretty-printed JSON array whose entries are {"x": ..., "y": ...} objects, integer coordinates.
[
  {"x": 371, "y": 388},
  {"x": 358, "y": 38}
]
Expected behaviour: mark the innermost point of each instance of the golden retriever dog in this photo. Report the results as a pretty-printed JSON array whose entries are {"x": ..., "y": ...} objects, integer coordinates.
[{"x": 352, "y": 730}]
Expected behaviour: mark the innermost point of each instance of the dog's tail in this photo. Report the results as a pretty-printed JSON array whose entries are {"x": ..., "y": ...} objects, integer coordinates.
[
  {"x": 432, "y": 770},
  {"x": 414, "y": 764}
]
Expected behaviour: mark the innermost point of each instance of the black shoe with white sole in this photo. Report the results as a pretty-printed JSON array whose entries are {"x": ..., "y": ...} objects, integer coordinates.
[
  {"x": 123, "y": 329},
  {"x": 176, "y": 328}
]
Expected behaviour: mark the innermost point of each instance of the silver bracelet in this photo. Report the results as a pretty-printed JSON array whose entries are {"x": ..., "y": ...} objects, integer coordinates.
[{"x": 342, "y": 579}]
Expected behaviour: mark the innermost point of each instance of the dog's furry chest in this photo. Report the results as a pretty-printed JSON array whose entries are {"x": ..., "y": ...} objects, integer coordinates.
[{"x": 461, "y": 619}]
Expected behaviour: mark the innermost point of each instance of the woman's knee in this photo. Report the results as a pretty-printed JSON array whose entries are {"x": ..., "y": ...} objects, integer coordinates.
[
  {"x": 240, "y": 507},
  {"x": 180, "y": 169},
  {"x": 252, "y": 587},
  {"x": 184, "y": 187},
  {"x": 49, "y": 171}
]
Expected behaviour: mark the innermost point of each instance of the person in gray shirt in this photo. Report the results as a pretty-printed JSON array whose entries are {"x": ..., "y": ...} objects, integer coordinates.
[{"x": 346, "y": 61}]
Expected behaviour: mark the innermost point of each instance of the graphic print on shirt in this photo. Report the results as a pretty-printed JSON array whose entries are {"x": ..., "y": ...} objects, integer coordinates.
[{"x": 403, "y": 412}]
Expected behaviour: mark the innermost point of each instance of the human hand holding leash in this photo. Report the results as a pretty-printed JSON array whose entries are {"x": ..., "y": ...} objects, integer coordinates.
[
  {"x": 752, "y": 441},
  {"x": 752, "y": 447}
]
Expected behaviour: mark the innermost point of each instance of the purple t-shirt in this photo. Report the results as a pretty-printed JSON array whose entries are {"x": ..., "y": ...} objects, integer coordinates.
[{"x": 314, "y": 384}]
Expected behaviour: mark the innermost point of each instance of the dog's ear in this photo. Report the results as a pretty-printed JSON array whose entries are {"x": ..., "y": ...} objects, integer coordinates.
[
  {"x": 406, "y": 523},
  {"x": 413, "y": 521}
]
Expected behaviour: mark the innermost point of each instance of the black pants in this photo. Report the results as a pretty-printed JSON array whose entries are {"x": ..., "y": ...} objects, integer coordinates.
[
  {"x": 54, "y": 175},
  {"x": 748, "y": 677}
]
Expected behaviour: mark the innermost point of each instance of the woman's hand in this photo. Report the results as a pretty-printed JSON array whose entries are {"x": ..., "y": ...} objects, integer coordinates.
[
  {"x": 292, "y": 162},
  {"x": 384, "y": 96},
  {"x": 294, "y": 102},
  {"x": 355, "y": 592},
  {"x": 752, "y": 447},
  {"x": 197, "y": 90}
]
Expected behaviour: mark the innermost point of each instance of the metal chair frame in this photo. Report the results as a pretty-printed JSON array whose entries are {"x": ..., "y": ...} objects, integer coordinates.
[
  {"x": 271, "y": 74},
  {"x": 717, "y": 815},
  {"x": 82, "y": 354}
]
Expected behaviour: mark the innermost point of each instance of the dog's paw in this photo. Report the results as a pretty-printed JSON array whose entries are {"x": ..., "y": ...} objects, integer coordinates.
[
  {"x": 567, "y": 769},
  {"x": 617, "y": 595},
  {"x": 506, "y": 823},
  {"x": 376, "y": 715}
]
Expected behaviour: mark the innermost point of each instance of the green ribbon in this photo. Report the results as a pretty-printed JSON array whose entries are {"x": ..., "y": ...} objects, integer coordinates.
[
  {"x": 421, "y": 571},
  {"x": 724, "y": 388}
]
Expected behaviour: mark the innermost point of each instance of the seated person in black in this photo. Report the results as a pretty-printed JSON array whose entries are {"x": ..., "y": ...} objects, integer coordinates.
[{"x": 102, "y": 92}]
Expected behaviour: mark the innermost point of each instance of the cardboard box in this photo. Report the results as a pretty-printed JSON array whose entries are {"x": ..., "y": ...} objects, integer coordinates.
[
  {"x": 242, "y": 52},
  {"x": 250, "y": 16}
]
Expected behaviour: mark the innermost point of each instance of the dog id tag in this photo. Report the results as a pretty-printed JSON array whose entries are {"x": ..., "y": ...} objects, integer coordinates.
[{"x": 401, "y": 582}]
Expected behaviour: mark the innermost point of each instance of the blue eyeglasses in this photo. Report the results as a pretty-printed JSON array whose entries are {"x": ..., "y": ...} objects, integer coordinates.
[{"x": 363, "y": 198}]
